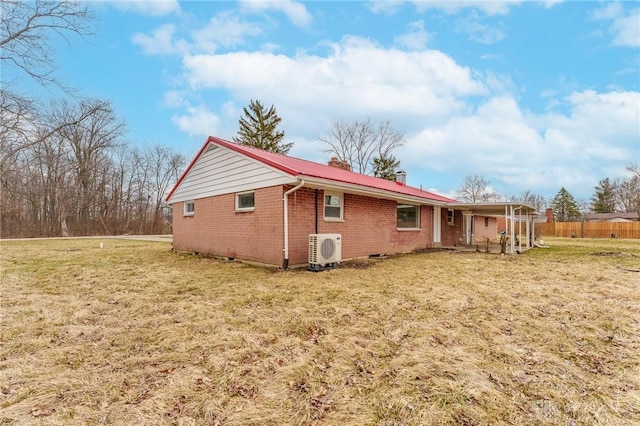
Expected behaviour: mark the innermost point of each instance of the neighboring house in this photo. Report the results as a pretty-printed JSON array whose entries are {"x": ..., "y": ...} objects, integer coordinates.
[
  {"x": 612, "y": 217},
  {"x": 245, "y": 203}
]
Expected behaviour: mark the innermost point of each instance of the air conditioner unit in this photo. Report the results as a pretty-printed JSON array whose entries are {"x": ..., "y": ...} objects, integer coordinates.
[{"x": 324, "y": 249}]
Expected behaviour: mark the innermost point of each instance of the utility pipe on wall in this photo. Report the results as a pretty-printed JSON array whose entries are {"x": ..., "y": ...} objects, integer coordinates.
[{"x": 285, "y": 263}]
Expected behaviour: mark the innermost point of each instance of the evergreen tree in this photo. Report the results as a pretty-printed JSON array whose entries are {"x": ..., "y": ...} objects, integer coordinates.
[
  {"x": 565, "y": 207},
  {"x": 258, "y": 129},
  {"x": 385, "y": 167},
  {"x": 604, "y": 198}
]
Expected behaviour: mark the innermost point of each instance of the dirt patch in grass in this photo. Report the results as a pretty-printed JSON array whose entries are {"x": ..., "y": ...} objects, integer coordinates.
[{"x": 138, "y": 334}]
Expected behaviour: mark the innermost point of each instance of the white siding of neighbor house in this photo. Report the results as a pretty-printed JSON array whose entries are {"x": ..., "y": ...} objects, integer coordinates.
[{"x": 220, "y": 170}]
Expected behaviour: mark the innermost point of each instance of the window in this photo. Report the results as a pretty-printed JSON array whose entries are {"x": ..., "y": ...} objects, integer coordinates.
[
  {"x": 189, "y": 208},
  {"x": 332, "y": 207},
  {"x": 245, "y": 201},
  {"x": 450, "y": 216},
  {"x": 486, "y": 221},
  {"x": 408, "y": 216}
]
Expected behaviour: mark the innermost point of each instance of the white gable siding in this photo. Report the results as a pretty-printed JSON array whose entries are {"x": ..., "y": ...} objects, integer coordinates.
[{"x": 222, "y": 171}]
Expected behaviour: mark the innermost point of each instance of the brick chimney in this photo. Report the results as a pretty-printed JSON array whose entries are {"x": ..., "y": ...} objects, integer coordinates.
[
  {"x": 340, "y": 164},
  {"x": 549, "y": 215}
]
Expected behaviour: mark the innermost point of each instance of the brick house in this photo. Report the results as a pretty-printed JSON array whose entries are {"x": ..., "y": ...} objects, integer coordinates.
[{"x": 244, "y": 203}]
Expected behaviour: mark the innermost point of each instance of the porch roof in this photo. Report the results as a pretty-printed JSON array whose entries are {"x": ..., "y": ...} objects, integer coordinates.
[{"x": 495, "y": 208}]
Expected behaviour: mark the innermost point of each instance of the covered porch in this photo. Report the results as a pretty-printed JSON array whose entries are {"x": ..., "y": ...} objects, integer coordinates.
[{"x": 514, "y": 226}]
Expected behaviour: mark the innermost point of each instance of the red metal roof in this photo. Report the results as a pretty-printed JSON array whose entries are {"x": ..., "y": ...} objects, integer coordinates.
[{"x": 303, "y": 168}]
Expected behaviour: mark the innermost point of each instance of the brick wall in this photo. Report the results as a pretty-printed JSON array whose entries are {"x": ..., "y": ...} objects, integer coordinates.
[
  {"x": 369, "y": 226},
  {"x": 217, "y": 229},
  {"x": 452, "y": 235}
]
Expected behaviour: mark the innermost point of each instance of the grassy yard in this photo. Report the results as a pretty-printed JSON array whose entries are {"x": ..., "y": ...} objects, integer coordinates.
[{"x": 135, "y": 334}]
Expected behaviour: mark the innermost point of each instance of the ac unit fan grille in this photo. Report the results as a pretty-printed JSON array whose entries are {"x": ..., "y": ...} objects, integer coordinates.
[{"x": 327, "y": 248}]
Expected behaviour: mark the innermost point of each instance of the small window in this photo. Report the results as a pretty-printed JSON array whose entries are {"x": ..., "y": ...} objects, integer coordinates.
[
  {"x": 245, "y": 201},
  {"x": 450, "y": 216},
  {"x": 332, "y": 207},
  {"x": 408, "y": 216},
  {"x": 486, "y": 221},
  {"x": 189, "y": 208}
]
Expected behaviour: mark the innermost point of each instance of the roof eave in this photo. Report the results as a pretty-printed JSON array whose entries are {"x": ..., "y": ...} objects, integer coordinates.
[
  {"x": 492, "y": 208},
  {"x": 314, "y": 182}
]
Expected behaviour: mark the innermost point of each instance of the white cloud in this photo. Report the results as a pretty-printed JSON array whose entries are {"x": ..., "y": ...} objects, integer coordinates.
[
  {"x": 625, "y": 26},
  {"x": 160, "y": 42},
  {"x": 357, "y": 78},
  {"x": 295, "y": 11},
  {"x": 611, "y": 11},
  {"x": 225, "y": 30},
  {"x": 551, "y": 3},
  {"x": 385, "y": 7},
  {"x": 596, "y": 119},
  {"x": 478, "y": 31},
  {"x": 198, "y": 121},
  {"x": 175, "y": 99},
  {"x": 487, "y": 7},
  {"x": 149, "y": 7},
  {"x": 626, "y": 30},
  {"x": 415, "y": 38},
  {"x": 541, "y": 152}
]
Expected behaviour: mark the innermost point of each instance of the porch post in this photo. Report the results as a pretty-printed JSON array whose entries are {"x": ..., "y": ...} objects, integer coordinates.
[
  {"x": 528, "y": 232},
  {"x": 512, "y": 233},
  {"x": 437, "y": 226},
  {"x": 468, "y": 226}
]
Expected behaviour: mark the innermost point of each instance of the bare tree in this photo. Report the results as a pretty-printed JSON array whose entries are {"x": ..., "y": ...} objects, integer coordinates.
[
  {"x": 89, "y": 143},
  {"x": 164, "y": 170},
  {"x": 627, "y": 192},
  {"x": 529, "y": 198},
  {"x": 359, "y": 142},
  {"x": 25, "y": 34},
  {"x": 476, "y": 189}
]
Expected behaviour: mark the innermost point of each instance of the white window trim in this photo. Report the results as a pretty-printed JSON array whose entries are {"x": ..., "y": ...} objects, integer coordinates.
[
  {"x": 184, "y": 208},
  {"x": 453, "y": 216},
  {"x": 417, "y": 217},
  {"x": 246, "y": 209},
  {"x": 333, "y": 219}
]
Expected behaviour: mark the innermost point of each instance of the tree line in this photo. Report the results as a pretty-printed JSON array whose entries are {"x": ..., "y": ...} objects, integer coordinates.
[
  {"x": 67, "y": 168},
  {"x": 609, "y": 196}
]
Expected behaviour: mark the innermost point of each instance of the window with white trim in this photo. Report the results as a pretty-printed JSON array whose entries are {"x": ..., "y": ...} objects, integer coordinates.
[
  {"x": 486, "y": 222},
  {"x": 189, "y": 208},
  {"x": 333, "y": 206},
  {"x": 408, "y": 216},
  {"x": 450, "y": 216},
  {"x": 245, "y": 201}
]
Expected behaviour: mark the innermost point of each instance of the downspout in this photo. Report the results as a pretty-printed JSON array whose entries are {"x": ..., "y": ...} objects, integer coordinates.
[
  {"x": 285, "y": 263},
  {"x": 316, "y": 210}
]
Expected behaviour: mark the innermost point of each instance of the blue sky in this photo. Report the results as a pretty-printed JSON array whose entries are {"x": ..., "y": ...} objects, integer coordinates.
[{"x": 531, "y": 95}]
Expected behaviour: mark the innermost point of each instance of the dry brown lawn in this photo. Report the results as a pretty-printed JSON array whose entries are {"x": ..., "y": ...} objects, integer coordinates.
[{"x": 135, "y": 334}]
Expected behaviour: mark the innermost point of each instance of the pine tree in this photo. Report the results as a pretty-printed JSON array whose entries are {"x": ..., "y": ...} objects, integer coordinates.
[
  {"x": 258, "y": 129},
  {"x": 565, "y": 207},
  {"x": 604, "y": 198},
  {"x": 385, "y": 167}
]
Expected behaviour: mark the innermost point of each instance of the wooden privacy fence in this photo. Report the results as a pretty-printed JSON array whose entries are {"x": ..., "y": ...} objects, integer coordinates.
[{"x": 590, "y": 229}]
